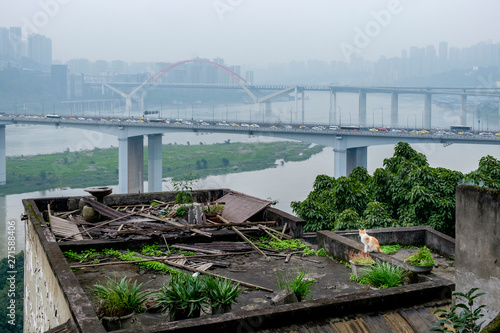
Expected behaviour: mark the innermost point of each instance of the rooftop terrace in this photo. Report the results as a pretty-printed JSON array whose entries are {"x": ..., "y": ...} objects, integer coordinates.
[{"x": 57, "y": 291}]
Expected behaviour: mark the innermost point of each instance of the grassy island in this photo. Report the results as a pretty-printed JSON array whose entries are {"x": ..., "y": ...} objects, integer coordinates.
[{"x": 99, "y": 167}]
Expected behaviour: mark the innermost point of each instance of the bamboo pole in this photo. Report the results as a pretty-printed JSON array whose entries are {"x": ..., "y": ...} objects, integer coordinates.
[
  {"x": 158, "y": 259},
  {"x": 177, "y": 224},
  {"x": 245, "y": 238},
  {"x": 246, "y": 284}
]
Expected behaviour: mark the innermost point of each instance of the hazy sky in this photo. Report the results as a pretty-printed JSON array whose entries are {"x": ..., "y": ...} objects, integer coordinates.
[{"x": 254, "y": 32}]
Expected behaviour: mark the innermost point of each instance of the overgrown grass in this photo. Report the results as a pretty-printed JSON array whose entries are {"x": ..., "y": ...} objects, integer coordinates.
[
  {"x": 100, "y": 166},
  {"x": 382, "y": 275},
  {"x": 390, "y": 249}
]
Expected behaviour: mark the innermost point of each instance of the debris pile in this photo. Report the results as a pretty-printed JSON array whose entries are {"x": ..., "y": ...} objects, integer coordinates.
[{"x": 95, "y": 220}]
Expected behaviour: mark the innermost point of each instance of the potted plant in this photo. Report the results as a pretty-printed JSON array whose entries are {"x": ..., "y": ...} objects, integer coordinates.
[
  {"x": 183, "y": 297},
  {"x": 222, "y": 293},
  {"x": 212, "y": 210},
  {"x": 118, "y": 300},
  {"x": 382, "y": 275},
  {"x": 421, "y": 261},
  {"x": 359, "y": 262}
]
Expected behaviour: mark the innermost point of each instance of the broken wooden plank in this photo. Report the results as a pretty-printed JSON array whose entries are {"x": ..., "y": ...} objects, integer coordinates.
[
  {"x": 261, "y": 227},
  {"x": 103, "y": 223},
  {"x": 276, "y": 232},
  {"x": 283, "y": 231},
  {"x": 195, "y": 249},
  {"x": 177, "y": 224},
  {"x": 256, "y": 248},
  {"x": 242, "y": 283},
  {"x": 63, "y": 228},
  {"x": 204, "y": 267},
  {"x": 155, "y": 259}
]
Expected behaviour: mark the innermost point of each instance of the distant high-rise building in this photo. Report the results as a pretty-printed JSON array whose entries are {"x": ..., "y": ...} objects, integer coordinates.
[
  {"x": 76, "y": 85},
  {"x": 119, "y": 66},
  {"x": 454, "y": 57},
  {"x": 16, "y": 42},
  {"x": 59, "y": 77},
  {"x": 79, "y": 66},
  {"x": 40, "y": 50},
  {"x": 430, "y": 60},
  {"x": 443, "y": 51},
  {"x": 4, "y": 43},
  {"x": 443, "y": 56},
  {"x": 99, "y": 67},
  {"x": 249, "y": 76}
]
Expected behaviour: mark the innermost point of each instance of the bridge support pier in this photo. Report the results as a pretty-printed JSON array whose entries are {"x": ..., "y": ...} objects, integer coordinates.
[
  {"x": 356, "y": 157},
  {"x": 3, "y": 160},
  {"x": 499, "y": 111},
  {"x": 427, "y": 111},
  {"x": 130, "y": 164},
  {"x": 268, "y": 108},
  {"x": 463, "y": 109},
  {"x": 362, "y": 108},
  {"x": 303, "y": 105},
  {"x": 346, "y": 159},
  {"x": 154, "y": 163},
  {"x": 340, "y": 157},
  {"x": 394, "y": 109},
  {"x": 332, "y": 111}
]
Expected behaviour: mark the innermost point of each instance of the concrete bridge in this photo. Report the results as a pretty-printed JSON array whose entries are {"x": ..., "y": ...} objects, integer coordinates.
[
  {"x": 350, "y": 147},
  {"x": 263, "y": 94},
  {"x": 256, "y": 92}
]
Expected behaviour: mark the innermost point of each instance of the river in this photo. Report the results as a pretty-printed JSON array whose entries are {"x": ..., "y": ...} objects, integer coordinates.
[{"x": 286, "y": 182}]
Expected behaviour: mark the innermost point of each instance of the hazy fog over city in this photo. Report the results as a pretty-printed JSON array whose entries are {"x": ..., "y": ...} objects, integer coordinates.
[{"x": 250, "y": 33}]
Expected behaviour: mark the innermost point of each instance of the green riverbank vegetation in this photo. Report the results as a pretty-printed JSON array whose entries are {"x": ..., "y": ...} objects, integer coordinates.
[{"x": 99, "y": 167}]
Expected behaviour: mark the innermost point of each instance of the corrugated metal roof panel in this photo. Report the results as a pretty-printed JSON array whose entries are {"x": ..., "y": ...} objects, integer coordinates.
[{"x": 239, "y": 207}]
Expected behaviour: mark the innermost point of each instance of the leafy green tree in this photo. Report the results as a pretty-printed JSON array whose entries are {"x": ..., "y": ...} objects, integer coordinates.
[
  {"x": 347, "y": 220},
  {"x": 405, "y": 192},
  {"x": 377, "y": 216}
]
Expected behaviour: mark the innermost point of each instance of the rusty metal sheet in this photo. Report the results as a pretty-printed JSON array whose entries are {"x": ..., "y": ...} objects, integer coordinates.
[{"x": 239, "y": 207}]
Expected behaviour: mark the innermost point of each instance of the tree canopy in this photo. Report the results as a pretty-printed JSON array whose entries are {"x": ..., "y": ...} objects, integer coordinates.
[{"x": 405, "y": 192}]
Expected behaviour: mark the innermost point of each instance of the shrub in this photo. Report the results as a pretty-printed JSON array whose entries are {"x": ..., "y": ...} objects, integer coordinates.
[
  {"x": 423, "y": 257},
  {"x": 222, "y": 292},
  {"x": 183, "y": 293},
  {"x": 465, "y": 320},
  {"x": 120, "y": 298}
]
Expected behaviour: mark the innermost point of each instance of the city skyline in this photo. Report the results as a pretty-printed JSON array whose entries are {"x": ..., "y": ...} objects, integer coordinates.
[{"x": 250, "y": 33}]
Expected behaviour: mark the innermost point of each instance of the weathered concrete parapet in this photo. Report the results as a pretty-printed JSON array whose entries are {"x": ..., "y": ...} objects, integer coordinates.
[
  {"x": 296, "y": 224},
  {"x": 477, "y": 250},
  {"x": 52, "y": 295}
]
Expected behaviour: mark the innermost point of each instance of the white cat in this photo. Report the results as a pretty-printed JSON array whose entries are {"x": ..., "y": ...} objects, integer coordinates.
[{"x": 370, "y": 242}]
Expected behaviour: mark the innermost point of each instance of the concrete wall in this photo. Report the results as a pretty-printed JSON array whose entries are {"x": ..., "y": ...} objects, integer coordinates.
[
  {"x": 419, "y": 235},
  {"x": 45, "y": 306},
  {"x": 478, "y": 244}
]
